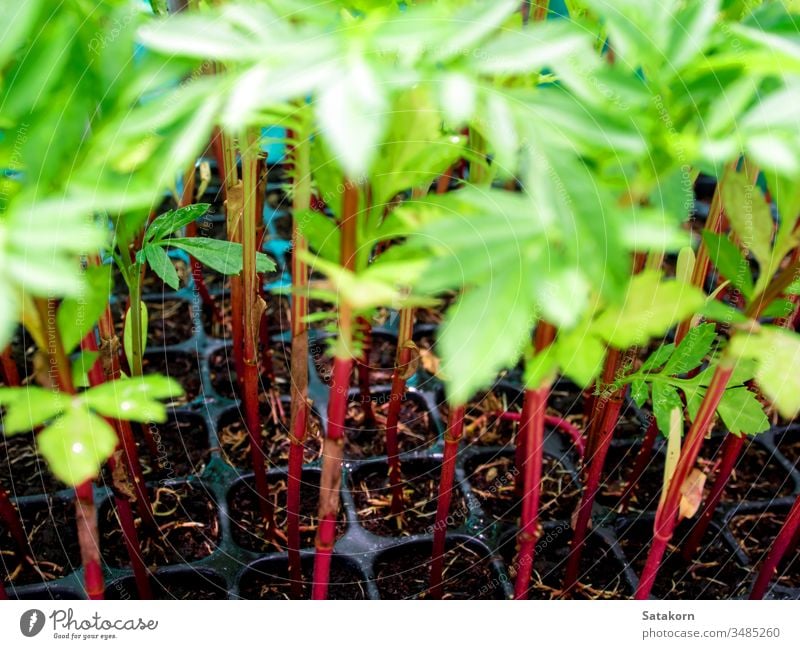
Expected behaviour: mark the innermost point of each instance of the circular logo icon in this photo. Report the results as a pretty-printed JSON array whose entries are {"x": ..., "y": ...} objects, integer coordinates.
[{"x": 31, "y": 622}]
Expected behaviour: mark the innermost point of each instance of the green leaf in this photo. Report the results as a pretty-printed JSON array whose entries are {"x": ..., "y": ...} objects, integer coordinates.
[
  {"x": 640, "y": 392},
  {"x": 779, "y": 308},
  {"x": 665, "y": 400},
  {"x": 580, "y": 356},
  {"x": 562, "y": 296},
  {"x": 541, "y": 369},
  {"x": 77, "y": 314},
  {"x": 689, "y": 32},
  {"x": 222, "y": 256},
  {"x": 484, "y": 332},
  {"x": 76, "y": 445},
  {"x": 658, "y": 357},
  {"x": 321, "y": 233},
  {"x": 777, "y": 354},
  {"x": 158, "y": 259},
  {"x": 17, "y": 20},
  {"x": 127, "y": 334},
  {"x": 692, "y": 349},
  {"x": 169, "y": 222},
  {"x": 730, "y": 262},
  {"x": 29, "y": 407},
  {"x": 135, "y": 398},
  {"x": 742, "y": 413},
  {"x": 749, "y": 216},
  {"x": 722, "y": 313},
  {"x": 651, "y": 307}
]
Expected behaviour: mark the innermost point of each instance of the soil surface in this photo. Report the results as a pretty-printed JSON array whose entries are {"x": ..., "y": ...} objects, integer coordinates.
[
  {"x": 277, "y": 314},
  {"x": 183, "y": 447},
  {"x": 188, "y": 528},
  {"x": 181, "y": 366},
  {"x": 373, "y": 499},
  {"x": 53, "y": 550},
  {"x": 270, "y": 580},
  {"x": 404, "y": 573},
  {"x": 23, "y": 471},
  {"x": 382, "y": 356},
  {"x": 235, "y": 440},
  {"x": 619, "y": 462},
  {"x": 223, "y": 373},
  {"x": 415, "y": 428},
  {"x": 714, "y": 573},
  {"x": 789, "y": 444},
  {"x": 247, "y": 527},
  {"x": 493, "y": 479},
  {"x": 482, "y": 425},
  {"x": 755, "y": 533},
  {"x": 601, "y": 574}
]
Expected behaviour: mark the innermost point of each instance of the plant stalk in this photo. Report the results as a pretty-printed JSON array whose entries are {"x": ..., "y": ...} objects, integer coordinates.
[
  {"x": 452, "y": 437},
  {"x": 782, "y": 543},
  {"x": 640, "y": 464}
]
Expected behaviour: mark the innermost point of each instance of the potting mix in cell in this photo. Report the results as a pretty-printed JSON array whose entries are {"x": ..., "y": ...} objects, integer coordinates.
[{"x": 400, "y": 300}]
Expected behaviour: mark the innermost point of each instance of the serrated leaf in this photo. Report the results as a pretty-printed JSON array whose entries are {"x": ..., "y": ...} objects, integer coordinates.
[
  {"x": 76, "y": 444},
  {"x": 134, "y": 399},
  {"x": 640, "y": 392},
  {"x": 741, "y": 412},
  {"x": 729, "y": 262},
  {"x": 658, "y": 358},
  {"x": 650, "y": 308},
  {"x": 28, "y": 407},
  {"x": 222, "y": 256},
  {"x": 692, "y": 349},
  {"x": 169, "y": 222},
  {"x": 779, "y": 308},
  {"x": 722, "y": 313},
  {"x": 562, "y": 296},
  {"x": 159, "y": 261}
]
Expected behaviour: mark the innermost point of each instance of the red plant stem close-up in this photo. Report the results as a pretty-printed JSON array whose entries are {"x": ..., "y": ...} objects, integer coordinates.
[
  {"x": 667, "y": 513},
  {"x": 252, "y": 316},
  {"x": 785, "y": 540},
  {"x": 333, "y": 445},
  {"x": 10, "y": 517},
  {"x": 452, "y": 438},
  {"x": 731, "y": 450},
  {"x": 10, "y": 372},
  {"x": 404, "y": 333}
]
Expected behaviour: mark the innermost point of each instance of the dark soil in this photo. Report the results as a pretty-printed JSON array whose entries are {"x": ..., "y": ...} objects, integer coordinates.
[
  {"x": 757, "y": 475},
  {"x": 492, "y": 480},
  {"x": 404, "y": 573},
  {"x": 223, "y": 373},
  {"x": 373, "y": 499},
  {"x": 755, "y": 533},
  {"x": 247, "y": 528},
  {"x": 181, "y": 366},
  {"x": 189, "y": 585},
  {"x": 52, "y": 544},
  {"x": 714, "y": 573},
  {"x": 382, "y": 356},
  {"x": 183, "y": 447},
  {"x": 601, "y": 575},
  {"x": 567, "y": 400},
  {"x": 235, "y": 440},
  {"x": 482, "y": 425},
  {"x": 23, "y": 471},
  {"x": 277, "y": 314},
  {"x": 619, "y": 462},
  {"x": 415, "y": 428},
  {"x": 270, "y": 580},
  {"x": 188, "y": 528},
  {"x": 169, "y": 322}
]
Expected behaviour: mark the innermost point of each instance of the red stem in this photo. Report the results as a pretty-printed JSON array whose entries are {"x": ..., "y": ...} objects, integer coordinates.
[
  {"x": 731, "y": 450},
  {"x": 784, "y": 540},
  {"x": 452, "y": 437},
  {"x": 667, "y": 514},
  {"x": 331, "y": 476},
  {"x": 531, "y": 436},
  {"x": 10, "y": 372},
  {"x": 362, "y": 365},
  {"x": 640, "y": 465},
  {"x": 294, "y": 484},
  {"x": 11, "y": 517},
  {"x": 596, "y": 466}
]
